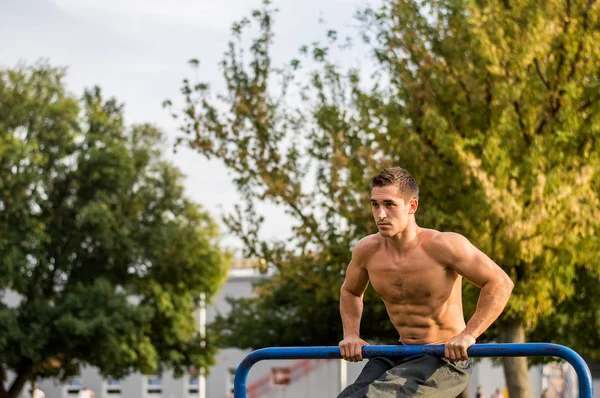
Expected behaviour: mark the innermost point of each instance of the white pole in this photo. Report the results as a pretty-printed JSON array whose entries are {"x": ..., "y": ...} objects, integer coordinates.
[
  {"x": 202, "y": 321},
  {"x": 202, "y": 384},
  {"x": 343, "y": 379},
  {"x": 343, "y": 376}
]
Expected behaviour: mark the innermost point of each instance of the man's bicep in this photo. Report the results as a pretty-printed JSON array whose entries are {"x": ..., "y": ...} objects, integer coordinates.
[
  {"x": 357, "y": 279},
  {"x": 477, "y": 267}
]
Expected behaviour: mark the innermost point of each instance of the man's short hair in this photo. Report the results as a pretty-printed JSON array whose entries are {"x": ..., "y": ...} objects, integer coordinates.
[{"x": 407, "y": 186}]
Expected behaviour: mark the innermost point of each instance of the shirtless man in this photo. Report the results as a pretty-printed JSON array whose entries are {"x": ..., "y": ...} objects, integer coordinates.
[{"x": 418, "y": 274}]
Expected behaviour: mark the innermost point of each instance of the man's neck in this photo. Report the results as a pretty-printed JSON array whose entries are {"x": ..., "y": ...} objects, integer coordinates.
[{"x": 405, "y": 240}]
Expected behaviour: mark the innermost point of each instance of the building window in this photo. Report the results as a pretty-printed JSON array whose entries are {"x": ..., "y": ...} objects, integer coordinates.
[
  {"x": 74, "y": 384},
  {"x": 154, "y": 385},
  {"x": 113, "y": 387}
]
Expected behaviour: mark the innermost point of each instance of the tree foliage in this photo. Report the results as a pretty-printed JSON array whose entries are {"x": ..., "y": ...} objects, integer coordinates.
[
  {"x": 97, "y": 240},
  {"x": 576, "y": 321},
  {"x": 493, "y": 106}
]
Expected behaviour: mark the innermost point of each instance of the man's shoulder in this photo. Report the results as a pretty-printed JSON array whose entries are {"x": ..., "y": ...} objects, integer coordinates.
[
  {"x": 433, "y": 239},
  {"x": 443, "y": 245},
  {"x": 367, "y": 246}
]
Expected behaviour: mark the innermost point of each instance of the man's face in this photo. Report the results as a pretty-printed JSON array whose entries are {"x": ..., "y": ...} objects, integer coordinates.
[{"x": 390, "y": 211}]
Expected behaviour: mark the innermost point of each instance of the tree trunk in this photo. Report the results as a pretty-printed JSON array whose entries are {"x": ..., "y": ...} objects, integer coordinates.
[
  {"x": 33, "y": 383},
  {"x": 516, "y": 370},
  {"x": 16, "y": 386}
]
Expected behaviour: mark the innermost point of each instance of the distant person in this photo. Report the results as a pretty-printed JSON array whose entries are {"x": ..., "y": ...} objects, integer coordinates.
[
  {"x": 85, "y": 393},
  {"x": 38, "y": 392},
  {"x": 479, "y": 393},
  {"x": 498, "y": 394}
]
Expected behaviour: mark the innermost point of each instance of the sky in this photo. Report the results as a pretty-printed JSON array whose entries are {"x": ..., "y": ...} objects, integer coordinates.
[{"x": 137, "y": 52}]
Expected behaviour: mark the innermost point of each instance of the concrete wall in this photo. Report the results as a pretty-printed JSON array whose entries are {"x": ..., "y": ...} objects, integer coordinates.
[
  {"x": 219, "y": 379},
  {"x": 321, "y": 382}
]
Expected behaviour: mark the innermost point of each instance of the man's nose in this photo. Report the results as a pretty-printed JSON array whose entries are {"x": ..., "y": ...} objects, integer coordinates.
[{"x": 381, "y": 214}]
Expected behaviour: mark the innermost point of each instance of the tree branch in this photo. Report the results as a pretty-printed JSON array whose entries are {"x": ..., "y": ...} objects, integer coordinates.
[
  {"x": 561, "y": 59},
  {"x": 306, "y": 221},
  {"x": 521, "y": 123},
  {"x": 555, "y": 101},
  {"x": 540, "y": 126},
  {"x": 580, "y": 42},
  {"x": 444, "y": 105},
  {"x": 588, "y": 103},
  {"x": 539, "y": 72},
  {"x": 556, "y": 104},
  {"x": 488, "y": 97},
  {"x": 459, "y": 80},
  {"x": 494, "y": 233}
]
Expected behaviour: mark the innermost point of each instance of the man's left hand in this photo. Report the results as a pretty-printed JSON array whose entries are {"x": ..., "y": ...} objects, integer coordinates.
[{"x": 456, "y": 348}]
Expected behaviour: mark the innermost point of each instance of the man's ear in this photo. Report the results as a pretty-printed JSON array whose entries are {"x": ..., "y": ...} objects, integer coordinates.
[{"x": 413, "y": 206}]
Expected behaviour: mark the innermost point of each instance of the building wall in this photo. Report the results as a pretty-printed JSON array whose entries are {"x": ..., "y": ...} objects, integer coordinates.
[
  {"x": 219, "y": 381},
  {"x": 321, "y": 382}
]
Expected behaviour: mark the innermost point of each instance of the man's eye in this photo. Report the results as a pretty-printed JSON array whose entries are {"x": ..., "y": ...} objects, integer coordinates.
[{"x": 390, "y": 205}]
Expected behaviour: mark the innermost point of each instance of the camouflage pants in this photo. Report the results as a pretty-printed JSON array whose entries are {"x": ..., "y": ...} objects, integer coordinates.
[{"x": 423, "y": 376}]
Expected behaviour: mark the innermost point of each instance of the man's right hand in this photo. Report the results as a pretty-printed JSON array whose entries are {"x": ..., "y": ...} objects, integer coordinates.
[{"x": 351, "y": 348}]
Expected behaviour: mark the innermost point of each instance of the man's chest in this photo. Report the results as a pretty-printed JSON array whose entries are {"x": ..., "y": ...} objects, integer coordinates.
[{"x": 411, "y": 279}]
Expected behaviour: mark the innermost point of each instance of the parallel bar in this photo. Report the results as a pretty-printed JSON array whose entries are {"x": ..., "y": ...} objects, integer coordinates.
[{"x": 478, "y": 350}]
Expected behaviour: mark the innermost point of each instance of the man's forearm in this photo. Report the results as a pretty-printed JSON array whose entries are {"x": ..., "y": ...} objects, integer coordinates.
[
  {"x": 351, "y": 307},
  {"x": 492, "y": 300}
]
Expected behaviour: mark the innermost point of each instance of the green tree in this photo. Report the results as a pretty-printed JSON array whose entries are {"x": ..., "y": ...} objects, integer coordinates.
[
  {"x": 571, "y": 326},
  {"x": 492, "y": 105},
  {"x": 106, "y": 255}
]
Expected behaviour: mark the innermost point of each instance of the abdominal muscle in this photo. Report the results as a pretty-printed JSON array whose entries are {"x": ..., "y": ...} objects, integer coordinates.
[{"x": 422, "y": 324}]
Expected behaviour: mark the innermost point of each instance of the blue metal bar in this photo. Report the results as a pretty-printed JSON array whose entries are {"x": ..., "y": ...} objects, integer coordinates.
[{"x": 478, "y": 350}]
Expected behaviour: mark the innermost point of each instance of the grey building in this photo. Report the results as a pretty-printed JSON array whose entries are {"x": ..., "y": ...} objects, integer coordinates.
[{"x": 279, "y": 379}]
